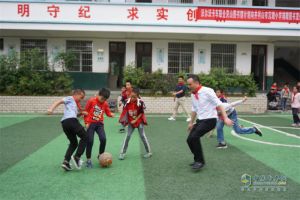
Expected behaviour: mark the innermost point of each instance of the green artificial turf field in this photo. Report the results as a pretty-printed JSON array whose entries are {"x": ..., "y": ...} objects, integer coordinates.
[{"x": 32, "y": 148}]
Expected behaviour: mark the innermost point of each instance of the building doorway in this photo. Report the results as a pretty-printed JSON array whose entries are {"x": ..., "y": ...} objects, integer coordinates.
[
  {"x": 116, "y": 64},
  {"x": 258, "y": 65},
  {"x": 144, "y": 56}
]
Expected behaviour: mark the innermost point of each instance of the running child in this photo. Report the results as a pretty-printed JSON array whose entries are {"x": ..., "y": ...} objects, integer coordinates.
[
  {"x": 96, "y": 107},
  {"x": 231, "y": 113},
  {"x": 133, "y": 115},
  {"x": 72, "y": 127},
  {"x": 122, "y": 101},
  {"x": 296, "y": 105},
  {"x": 223, "y": 99},
  {"x": 126, "y": 96}
]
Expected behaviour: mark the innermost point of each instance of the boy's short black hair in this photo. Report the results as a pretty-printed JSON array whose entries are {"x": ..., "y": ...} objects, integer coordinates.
[
  {"x": 129, "y": 82},
  {"x": 104, "y": 92},
  {"x": 180, "y": 77},
  {"x": 220, "y": 90},
  {"x": 124, "y": 86},
  {"x": 287, "y": 83},
  {"x": 194, "y": 77},
  {"x": 135, "y": 91},
  {"x": 78, "y": 91}
]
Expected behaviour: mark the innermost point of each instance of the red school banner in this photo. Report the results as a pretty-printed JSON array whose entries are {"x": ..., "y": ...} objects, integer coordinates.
[{"x": 248, "y": 14}]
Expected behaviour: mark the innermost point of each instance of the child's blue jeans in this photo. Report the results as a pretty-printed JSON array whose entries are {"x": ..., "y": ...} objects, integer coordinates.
[
  {"x": 278, "y": 93},
  {"x": 283, "y": 103},
  {"x": 236, "y": 128}
]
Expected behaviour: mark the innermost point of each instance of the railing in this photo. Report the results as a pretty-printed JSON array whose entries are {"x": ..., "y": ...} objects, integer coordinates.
[{"x": 224, "y": 2}]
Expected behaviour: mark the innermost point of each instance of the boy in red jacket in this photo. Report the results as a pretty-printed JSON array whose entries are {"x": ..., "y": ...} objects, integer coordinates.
[
  {"x": 94, "y": 122},
  {"x": 133, "y": 115}
]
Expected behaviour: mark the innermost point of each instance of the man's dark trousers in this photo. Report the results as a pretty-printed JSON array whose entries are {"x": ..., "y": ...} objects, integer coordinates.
[{"x": 199, "y": 129}]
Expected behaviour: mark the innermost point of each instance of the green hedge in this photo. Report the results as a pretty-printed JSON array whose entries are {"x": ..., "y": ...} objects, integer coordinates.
[
  {"x": 29, "y": 73},
  {"x": 217, "y": 78}
]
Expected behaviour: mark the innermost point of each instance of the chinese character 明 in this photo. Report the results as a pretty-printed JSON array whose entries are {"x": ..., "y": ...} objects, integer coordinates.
[
  {"x": 161, "y": 14},
  {"x": 83, "y": 10},
  {"x": 23, "y": 9},
  {"x": 52, "y": 9},
  {"x": 133, "y": 13}
]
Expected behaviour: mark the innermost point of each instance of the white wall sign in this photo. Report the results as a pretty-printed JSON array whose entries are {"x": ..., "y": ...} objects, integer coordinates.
[
  {"x": 160, "y": 55},
  {"x": 55, "y": 50},
  {"x": 201, "y": 56},
  {"x": 11, "y": 47},
  {"x": 100, "y": 57}
]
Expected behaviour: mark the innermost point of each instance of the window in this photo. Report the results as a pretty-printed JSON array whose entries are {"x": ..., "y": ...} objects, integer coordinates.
[
  {"x": 180, "y": 1},
  {"x": 224, "y": 2},
  {"x": 144, "y": 56},
  {"x": 29, "y": 44},
  {"x": 1, "y": 44},
  {"x": 180, "y": 58},
  {"x": 223, "y": 56},
  {"x": 259, "y": 3},
  {"x": 83, "y": 52}
]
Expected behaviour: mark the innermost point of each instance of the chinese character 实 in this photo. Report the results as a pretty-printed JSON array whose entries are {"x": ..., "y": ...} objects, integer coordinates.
[
  {"x": 83, "y": 11},
  {"x": 133, "y": 13},
  {"x": 161, "y": 14},
  {"x": 52, "y": 9},
  {"x": 23, "y": 9}
]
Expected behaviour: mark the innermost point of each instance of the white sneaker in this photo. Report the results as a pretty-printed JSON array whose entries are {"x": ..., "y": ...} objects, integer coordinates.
[
  {"x": 171, "y": 119},
  {"x": 188, "y": 119}
]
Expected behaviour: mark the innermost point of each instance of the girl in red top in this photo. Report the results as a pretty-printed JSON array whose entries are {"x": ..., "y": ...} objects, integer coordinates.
[
  {"x": 96, "y": 107},
  {"x": 133, "y": 115},
  {"x": 274, "y": 87}
]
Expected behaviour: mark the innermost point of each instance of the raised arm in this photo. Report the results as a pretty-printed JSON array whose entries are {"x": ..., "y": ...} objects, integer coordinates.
[{"x": 50, "y": 110}]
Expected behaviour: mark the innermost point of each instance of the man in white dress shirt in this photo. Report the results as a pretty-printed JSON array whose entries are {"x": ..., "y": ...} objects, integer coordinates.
[{"x": 204, "y": 101}]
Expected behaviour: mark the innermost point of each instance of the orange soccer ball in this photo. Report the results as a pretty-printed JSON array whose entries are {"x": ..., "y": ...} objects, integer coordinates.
[{"x": 105, "y": 159}]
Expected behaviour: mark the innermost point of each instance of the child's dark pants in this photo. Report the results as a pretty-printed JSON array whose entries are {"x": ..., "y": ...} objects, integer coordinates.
[
  {"x": 72, "y": 127},
  {"x": 98, "y": 127},
  {"x": 295, "y": 115}
]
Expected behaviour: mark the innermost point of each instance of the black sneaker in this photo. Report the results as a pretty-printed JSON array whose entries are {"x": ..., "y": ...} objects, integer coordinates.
[
  {"x": 257, "y": 131},
  {"x": 122, "y": 130},
  {"x": 193, "y": 163},
  {"x": 77, "y": 162},
  {"x": 221, "y": 146},
  {"x": 197, "y": 165},
  {"x": 66, "y": 166}
]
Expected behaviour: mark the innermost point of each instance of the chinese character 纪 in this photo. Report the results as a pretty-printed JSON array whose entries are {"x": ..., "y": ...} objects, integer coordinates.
[
  {"x": 53, "y": 9},
  {"x": 133, "y": 13},
  {"x": 262, "y": 178},
  {"x": 23, "y": 9},
  {"x": 161, "y": 14},
  {"x": 83, "y": 10}
]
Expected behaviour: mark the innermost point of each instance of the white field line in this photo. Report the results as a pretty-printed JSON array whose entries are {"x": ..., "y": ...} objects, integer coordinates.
[
  {"x": 288, "y": 134},
  {"x": 270, "y": 143}
]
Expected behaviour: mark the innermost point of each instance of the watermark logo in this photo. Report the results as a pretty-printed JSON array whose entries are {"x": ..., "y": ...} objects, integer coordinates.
[{"x": 262, "y": 182}]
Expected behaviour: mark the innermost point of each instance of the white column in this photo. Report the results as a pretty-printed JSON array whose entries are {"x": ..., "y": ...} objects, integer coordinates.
[
  {"x": 243, "y": 58},
  {"x": 271, "y": 3},
  {"x": 130, "y": 51},
  {"x": 155, "y": 65},
  {"x": 11, "y": 41},
  {"x": 202, "y": 67},
  {"x": 244, "y": 2},
  {"x": 270, "y": 59}
]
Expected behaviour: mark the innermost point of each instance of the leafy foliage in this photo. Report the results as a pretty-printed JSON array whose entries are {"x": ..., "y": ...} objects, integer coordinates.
[
  {"x": 30, "y": 74},
  {"x": 217, "y": 78}
]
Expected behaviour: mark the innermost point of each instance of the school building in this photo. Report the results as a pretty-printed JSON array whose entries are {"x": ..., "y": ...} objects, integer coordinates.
[{"x": 251, "y": 36}]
